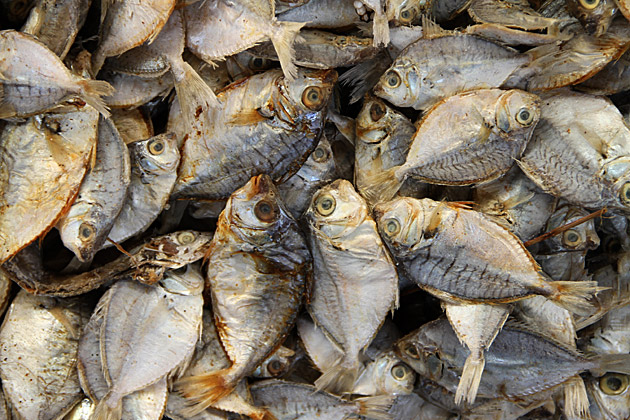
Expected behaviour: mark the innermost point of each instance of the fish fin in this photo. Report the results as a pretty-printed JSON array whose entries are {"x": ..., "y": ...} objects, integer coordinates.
[
  {"x": 365, "y": 75},
  {"x": 337, "y": 379},
  {"x": 382, "y": 186},
  {"x": 618, "y": 363},
  {"x": 104, "y": 412},
  {"x": 575, "y": 398},
  {"x": 470, "y": 379},
  {"x": 262, "y": 415},
  {"x": 282, "y": 39},
  {"x": 573, "y": 295},
  {"x": 91, "y": 92},
  {"x": 204, "y": 390},
  {"x": 376, "y": 407},
  {"x": 251, "y": 116},
  {"x": 381, "y": 29},
  {"x": 430, "y": 29},
  {"x": 194, "y": 95}
]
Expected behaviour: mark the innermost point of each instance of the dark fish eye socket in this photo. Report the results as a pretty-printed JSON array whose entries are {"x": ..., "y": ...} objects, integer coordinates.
[
  {"x": 524, "y": 117},
  {"x": 257, "y": 63},
  {"x": 412, "y": 351},
  {"x": 325, "y": 204},
  {"x": 392, "y": 79},
  {"x": 613, "y": 383},
  {"x": 571, "y": 238},
  {"x": 407, "y": 15},
  {"x": 392, "y": 227},
  {"x": 399, "y": 372},
  {"x": 86, "y": 231},
  {"x": 589, "y": 4},
  {"x": 156, "y": 147},
  {"x": 320, "y": 154},
  {"x": 377, "y": 111},
  {"x": 275, "y": 367},
  {"x": 313, "y": 97},
  {"x": 625, "y": 193},
  {"x": 185, "y": 238},
  {"x": 265, "y": 211}
]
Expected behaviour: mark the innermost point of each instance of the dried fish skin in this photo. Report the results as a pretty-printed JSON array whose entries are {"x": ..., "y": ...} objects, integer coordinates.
[
  {"x": 266, "y": 124},
  {"x": 519, "y": 362},
  {"x": 57, "y": 23},
  {"x": 136, "y": 317},
  {"x": 350, "y": 267},
  {"x": 468, "y": 138},
  {"x": 286, "y": 400},
  {"x": 436, "y": 243},
  {"x": 154, "y": 164},
  {"x": 38, "y": 344},
  {"x": 133, "y": 91},
  {"x": 127, "y": 24},
  {"x": 589, "y": 166},
  {"x": 432, "y": 69},
  {"x": 42, "y": 162},
  {"x": 244, "y": 24},
  {"x": 510, "y": 14},
  {"x": 34, "y": 79},
  {"x": 318, "y": 170},
  {"x": 258, "y": 264},
  {"x": 132, "y": 124},
  {"x": 89, "y": 220},
  {"x": 323, "y": 14},
  {"x": 595, "y": 16},
  {"x": 610, "y": 80}
]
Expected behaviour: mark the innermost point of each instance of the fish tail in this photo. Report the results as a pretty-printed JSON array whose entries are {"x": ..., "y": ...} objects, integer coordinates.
[
  {"x": 382, "y": 186},
  {"x": 575, "y": 398},
  {"x": 338, "y": 379},
  {"x": 204, "y": 390},
  {"x": 376, "y": 407},
  {"x": 262, "y": 415},
  {"x": 282, "y": 39},
  {"x": 573, "y": 295},
  {"x": 194, "y": 95},
  {"x": 381, "y": 29},
  {"x": 618, "y": 363},
  {"x": 104, "y": 411},
  {"x": 91, "y": 92},
  {"x": 470, "y": 379}
]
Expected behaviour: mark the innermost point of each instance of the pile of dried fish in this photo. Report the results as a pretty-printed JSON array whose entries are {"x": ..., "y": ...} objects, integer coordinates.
[{"x": 315, "y": 209}]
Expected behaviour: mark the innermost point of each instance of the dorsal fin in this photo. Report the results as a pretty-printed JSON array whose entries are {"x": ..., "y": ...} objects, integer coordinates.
[{"x": 431, "y": 30}]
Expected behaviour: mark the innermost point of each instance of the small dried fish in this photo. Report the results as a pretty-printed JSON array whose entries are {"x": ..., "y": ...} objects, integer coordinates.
[
  {"x": 385, "y": 375},
  {"x": 34, "y": 79},
  {"x": 595, "y": 15},
  {"x": 38, "y": 345},
  {"x": 323, "y": 14}
]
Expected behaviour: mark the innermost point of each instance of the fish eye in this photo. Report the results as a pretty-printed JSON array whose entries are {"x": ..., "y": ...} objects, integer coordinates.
[
  {"x": 313, "y": 97},
  {"x": 265, "y": 211},
  {"x": 376, "y": 111},
  {"x": 407, "y": 15},
  {"x": 325, "y": 204},
  {"x": 391, "y": 227},
  {"x": 86, "y": 231},
  {"x": 524, "y": 117},
  {"x": 320, "y": 154},
  {"x": 392, "y": 79},
  {"x": 275, "y": 367},
  {"x": 257, "y": 63},
  {"x": 571, "y": 238},
  {"x": 400, "y": 372},
  {"x": 156, "y": 147},
  {"x": 625, "y": 193},
  {"x": 613, "y": 383},
  {"x": 589, "y": 4},
  {"x": 411, "y": 351},
  {"x": 185, "y": 238}
]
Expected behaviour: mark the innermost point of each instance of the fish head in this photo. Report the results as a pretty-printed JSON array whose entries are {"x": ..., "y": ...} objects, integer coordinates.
[
  {"x": 374, "y": 122},
  {"x": 175, "y": 249},
  {"x": 402, "y": 85},
  {"x": 421, "y": 355},
  {"x": 617, "y": 173},
  {"x": 276, "y": 365},
  {"x": 82, "y": 236},
  {"x": 579, "y": 238},
  {"x": 157, "y": 155},
  {"x": 400, "y": 223},
  {"x": 396, "y": 377},
  {"x": 517, "y": 112},
  {"x": 336, "y": 209},
  {"x": 405, "y": 12},
  {"x": 245, "y": 64},
  {"x": 594, "y": 15},
  {"x": 310, "y": 90},
  {"x": 611, "y": 393},
  {"x": 256, "y": 211}
]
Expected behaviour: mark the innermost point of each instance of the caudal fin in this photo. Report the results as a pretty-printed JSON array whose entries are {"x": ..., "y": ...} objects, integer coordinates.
[
  {"x": 575, "y": 399},
  {"x": 103, "y": 411},
  {"x": 376, "y": 407},
  {"x": 262, "y": 414},
  {"x": 338, "y": 379},
  {"x": 573, "y": 295},
  {"x": 91, "y": 92},
  {"x": 382, "y": 186},
  {"x": 203, "y": 390},
  {"x": 194, "y": 95},
  {"x": 282, "y": 37},
  {"x": 381, "y": 29},
  {"x": 469, "y": 382}
]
